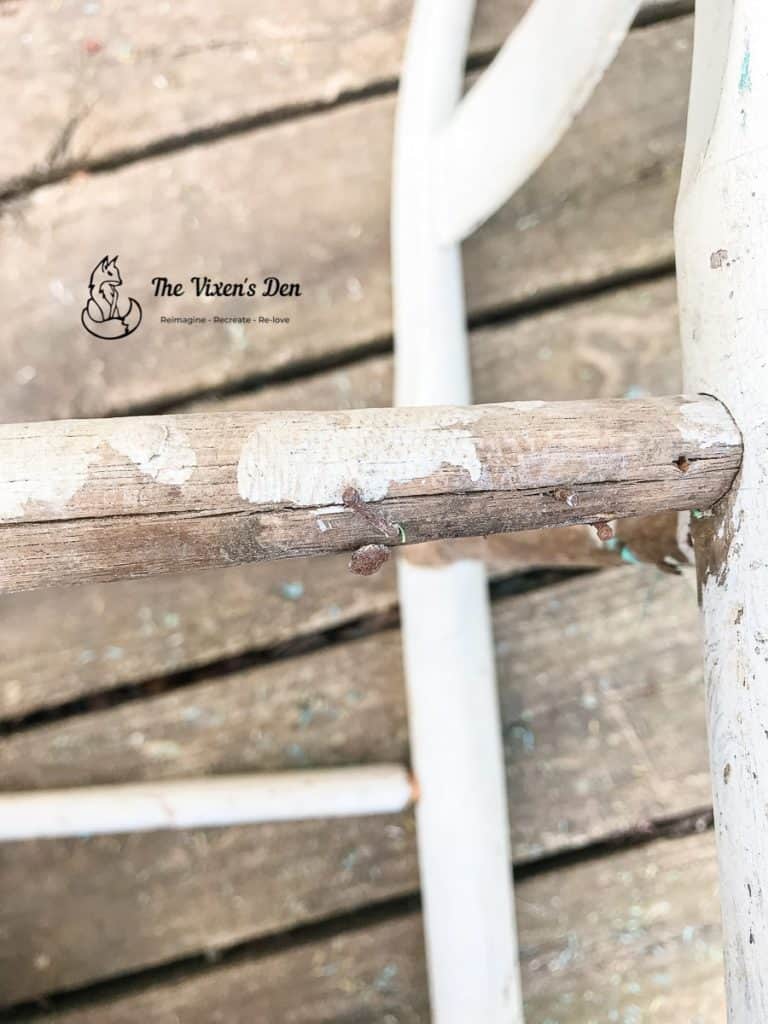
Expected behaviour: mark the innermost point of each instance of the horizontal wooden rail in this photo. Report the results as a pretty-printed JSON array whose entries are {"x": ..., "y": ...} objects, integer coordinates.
[{"x": 104, "y": 499}]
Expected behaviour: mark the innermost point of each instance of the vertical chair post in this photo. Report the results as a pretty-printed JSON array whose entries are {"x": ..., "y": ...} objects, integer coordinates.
[
  {"x": 448, "y": 646},
  {"x": 455, "y": 162},
  {"x": 721, "y": 230}
]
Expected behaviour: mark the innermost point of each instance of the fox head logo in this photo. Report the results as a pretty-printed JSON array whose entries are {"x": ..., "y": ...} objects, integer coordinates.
[{"x": 103, "y": 315}]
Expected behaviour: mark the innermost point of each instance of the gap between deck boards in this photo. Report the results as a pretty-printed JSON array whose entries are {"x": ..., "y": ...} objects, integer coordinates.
[
  {"x": 25, "y": 184},
  {"x": 514, "y": 584},
  {"x": 668, "y": 829}
]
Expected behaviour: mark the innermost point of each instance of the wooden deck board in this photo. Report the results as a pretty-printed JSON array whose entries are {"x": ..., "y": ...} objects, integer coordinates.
[
  {"x": 61, "y": 645},
  {"x": 104, "y": 85},
  {"x": 599, "y": 208},
  {"x": 632, "y": 937},
  {"x": 598, "y": 677}
]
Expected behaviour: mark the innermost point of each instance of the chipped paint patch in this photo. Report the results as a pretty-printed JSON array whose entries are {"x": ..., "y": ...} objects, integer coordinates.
[
  {"x": 158, "y": 449},
  {"x": 712, "y": 539},
  {"x": 53, "y": 480},
  {"x": 296, "y": 468},
  {"x": 55, "y": 473},
  {"x": 710, "y": 425}
]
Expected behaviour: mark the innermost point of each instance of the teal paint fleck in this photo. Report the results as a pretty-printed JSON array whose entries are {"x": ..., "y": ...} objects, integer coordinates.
[
  {"x": 628, "y": 557},
  {"x": 293, "y": 591},
  {"x": 349, "y": 859},
  {"x": 295, "y": 753},
  {"x": 386, "y": 976},
  {"x": 745, "y": 78},
  {"x": 525, "y": 736},
  {"x": 306, "y": 714}
]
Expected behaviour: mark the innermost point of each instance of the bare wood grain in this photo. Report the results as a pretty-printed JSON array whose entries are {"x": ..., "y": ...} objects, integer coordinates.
[
  {"x": 58, "y": 645},
  {"x": 88, "y": 500},
  {"x": 317, "y": 212},
  {"x": 101, "y": 85},
  {"x": 635, "y": 936},
  {"x": 599, "y": 680}
]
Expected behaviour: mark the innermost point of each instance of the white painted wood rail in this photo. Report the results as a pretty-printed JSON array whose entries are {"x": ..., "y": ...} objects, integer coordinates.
[
  {"x": 206, "y": 802},
  {"x": 516, "y": 113},
  {"x": 722, "y": 258}
]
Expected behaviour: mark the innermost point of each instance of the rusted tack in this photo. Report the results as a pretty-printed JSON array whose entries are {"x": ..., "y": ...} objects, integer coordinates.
[{"x": 105, "y": 499}]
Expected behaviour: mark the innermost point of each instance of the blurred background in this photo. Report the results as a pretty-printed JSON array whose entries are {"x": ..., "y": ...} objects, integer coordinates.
[{"x": 237, "y": 141}]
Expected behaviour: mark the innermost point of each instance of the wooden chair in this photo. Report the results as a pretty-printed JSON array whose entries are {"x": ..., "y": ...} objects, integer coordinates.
[{"x": 212, "y": 489}]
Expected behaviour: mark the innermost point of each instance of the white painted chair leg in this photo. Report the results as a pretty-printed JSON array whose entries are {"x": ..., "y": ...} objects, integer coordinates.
[
  {"x": 721, "y": 232},
  {"x": 453, "y": 708}
]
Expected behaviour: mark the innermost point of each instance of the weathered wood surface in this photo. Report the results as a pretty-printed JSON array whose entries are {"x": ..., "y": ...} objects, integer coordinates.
[
  {"x": 632, "y": 937},
  {"x": 102, "y": 85},
  {"x": 600, "y": 208},
  {"x": 599, "y": 680},
  {"x": 90, "y": 500},
  {"x": 58, "y": 645}
]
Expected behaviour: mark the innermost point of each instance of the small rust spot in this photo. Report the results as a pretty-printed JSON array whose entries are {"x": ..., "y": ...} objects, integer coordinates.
[
  {"x": 368, "y": 559},
  {"x": 726, "y": 773},
  {"x": 415, "y": 789},
  {"x": 718, "y": 259},
  {"x": 604, "y": 531},
  {"x": 352, "y": 499},
  {"x": 682, "y": 464},
  {"x": 566, "y": 495}
]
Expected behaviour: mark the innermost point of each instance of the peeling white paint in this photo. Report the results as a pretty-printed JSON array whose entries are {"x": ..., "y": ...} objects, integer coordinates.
[
  {"x": 157, "y": 448},
  {"x": 706, "y": 422},
  {"x": 56, "y": 473},
  {"x": 52, "y": 480},
  {"x": 291, "y": 467}
]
